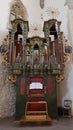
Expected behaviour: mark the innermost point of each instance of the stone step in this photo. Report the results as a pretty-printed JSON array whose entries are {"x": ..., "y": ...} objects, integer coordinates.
[{"x": 35, "y": 117}]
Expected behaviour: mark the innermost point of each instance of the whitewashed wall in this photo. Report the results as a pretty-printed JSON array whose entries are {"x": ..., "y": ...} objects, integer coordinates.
[{"x": 65, "y": 89}]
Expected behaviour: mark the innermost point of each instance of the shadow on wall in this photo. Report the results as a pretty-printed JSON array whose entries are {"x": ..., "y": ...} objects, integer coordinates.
[{"x": 63, "y": 88}]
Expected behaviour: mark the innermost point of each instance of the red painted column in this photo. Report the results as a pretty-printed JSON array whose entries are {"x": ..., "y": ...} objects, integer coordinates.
[
  {"x": 22, "y": 86},
  {"x": 50, "y": 86}
]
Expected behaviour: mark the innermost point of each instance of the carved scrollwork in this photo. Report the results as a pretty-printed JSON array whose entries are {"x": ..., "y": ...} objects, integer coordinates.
[
  {"x": 67, "y": 51},
  {"x": 66, "y": 57},
  {"x": 12, "y": 78},
  {"x": 4, "y": 50},
  {"x": 59, "y": 78},
  {"x": 5, "y": 58}
]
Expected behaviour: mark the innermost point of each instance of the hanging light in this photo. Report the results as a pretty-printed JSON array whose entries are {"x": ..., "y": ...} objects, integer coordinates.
[{"x": 42, "y": 4}]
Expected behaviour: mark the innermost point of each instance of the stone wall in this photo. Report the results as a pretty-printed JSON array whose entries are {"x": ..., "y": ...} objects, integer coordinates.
[{"x": 7, "y": 94}]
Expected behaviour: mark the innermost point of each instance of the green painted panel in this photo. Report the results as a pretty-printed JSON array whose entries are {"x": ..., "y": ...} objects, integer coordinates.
[
  {"x": 52, "y": 105},
  {"x": 20, "y": 101}
]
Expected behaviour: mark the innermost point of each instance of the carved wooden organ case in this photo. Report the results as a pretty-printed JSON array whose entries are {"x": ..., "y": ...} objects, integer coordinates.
[{"x": 36, "y": 60}]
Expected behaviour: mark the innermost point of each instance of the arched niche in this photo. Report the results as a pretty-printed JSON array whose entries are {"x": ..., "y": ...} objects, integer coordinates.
[
  {"x": 53, "y": 32},
  {"x": 53, "y": 35},
  {"x": 36, "y": 53},
  {"x": 18, "y": 37}
]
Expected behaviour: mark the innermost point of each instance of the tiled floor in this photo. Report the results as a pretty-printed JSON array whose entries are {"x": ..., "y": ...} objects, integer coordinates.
[{"x": 61, "y": 124}]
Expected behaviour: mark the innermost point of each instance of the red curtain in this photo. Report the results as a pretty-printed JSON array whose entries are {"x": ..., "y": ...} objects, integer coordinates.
[
  {"x": 37, "y": 79},
  {"x": 50, "y": 85},
  {"x": 22, "y": 86}
]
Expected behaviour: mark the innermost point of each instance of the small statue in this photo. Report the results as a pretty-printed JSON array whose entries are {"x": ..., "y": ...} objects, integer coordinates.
[
  {"x": 36, "y": 58},
  {"x": 18, "y": 58}
]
